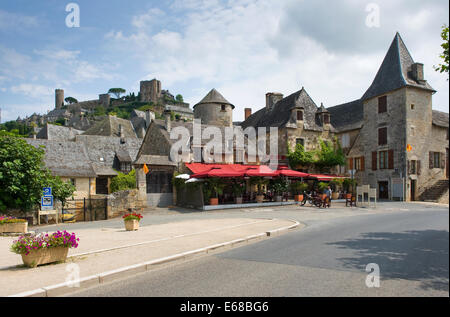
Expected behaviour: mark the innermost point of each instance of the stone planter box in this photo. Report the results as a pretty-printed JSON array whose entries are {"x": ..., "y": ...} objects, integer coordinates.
[
  {"x": 214, "y": 201},
  {"x": 18, "y": 227},
  {"x": 131, "y": 225},
  {"x": 259, "y": 199},
  {"x": 45, "y": 256},
  {"x": 335, "y": 196},
  {"x": 278, "y": 199},
  {"x": 239, "y": 200}
]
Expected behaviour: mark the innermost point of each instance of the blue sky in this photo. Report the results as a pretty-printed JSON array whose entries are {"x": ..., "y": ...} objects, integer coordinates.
[{"x": 242, "y": 48}]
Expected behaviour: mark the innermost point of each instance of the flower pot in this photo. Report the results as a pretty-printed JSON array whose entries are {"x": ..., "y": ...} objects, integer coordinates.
[
  {"x": 131, "y": 225},
  {"x": 335, "y": 196},
  {"x": 239, "y": 200},
  {"x": 214, "y": 201},
  {"x": 259, "y": 199},
  {"x": 45, "y": 256},
  {"x": 18, "y": 227},
  {"x": 278, "y": 199},
  {"x": 298, "y": 198}
]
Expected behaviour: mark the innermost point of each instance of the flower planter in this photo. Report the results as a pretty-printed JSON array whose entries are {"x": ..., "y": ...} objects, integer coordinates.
[
  {"x": 18, "y": 227},
  {"x": 335, "y": 196},
  {"x": 45, "y": 256},
  {"x": 132, "y": 225},
  {"x": 298, "y": 198},
  {"x": 214, "y": 201},
  {"x": 239, "y": 200},
  {"x": 278, "y": 199},
  {"x": 259, "y": 199}
]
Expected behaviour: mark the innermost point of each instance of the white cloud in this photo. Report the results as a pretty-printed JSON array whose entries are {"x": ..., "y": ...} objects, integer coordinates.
[
  {"x": 13, "y": 21},
  {"x": 32, "y": 90}
]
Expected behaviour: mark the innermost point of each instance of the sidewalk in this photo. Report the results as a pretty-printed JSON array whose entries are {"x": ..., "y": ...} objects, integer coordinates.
[{"x": 106, "y": 249}]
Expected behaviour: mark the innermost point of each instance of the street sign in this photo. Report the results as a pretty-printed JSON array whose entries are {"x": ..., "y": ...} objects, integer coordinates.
[
  {"x": 47, "y": 191},
  {"x": 47, "y": 202}
]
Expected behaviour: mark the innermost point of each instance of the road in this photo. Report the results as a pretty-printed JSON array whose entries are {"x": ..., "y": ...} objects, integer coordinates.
[{"x": 327, "y": 258}]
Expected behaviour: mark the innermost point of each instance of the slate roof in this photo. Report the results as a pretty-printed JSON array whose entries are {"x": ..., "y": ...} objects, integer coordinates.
[
  {"x": 348, "y": 116},
  {"x": 103, "y": 150},
  {"x": 58, "y": 133},
  {"x": 110, "y": 127},
  {"x": 65, "y": 158},
  {"x": 394, "y": 72},
  {"x": 440, "y": 119},
  {"x": 179, "y": 109},
  {"x": 280, "y": 114},
  {"x": 214, "y": 97}
]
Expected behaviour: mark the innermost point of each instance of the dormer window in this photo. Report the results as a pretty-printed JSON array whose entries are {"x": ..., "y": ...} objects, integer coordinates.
[
  {"x": 326, "y": 118},
  {"x": 299, "y": 115}
]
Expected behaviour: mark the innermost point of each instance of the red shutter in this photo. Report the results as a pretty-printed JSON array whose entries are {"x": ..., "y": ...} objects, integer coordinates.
[
  {"x": 350, "y": 163},
  {"x": 363, "y": 164},
  {"x": 374, "y": 161},
  {"x": 431, "y": 161},
  {"x": 391, "y": 159}
]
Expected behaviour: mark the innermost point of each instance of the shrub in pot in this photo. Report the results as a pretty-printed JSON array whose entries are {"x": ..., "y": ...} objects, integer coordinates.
[
  {"x": 279, "y": 186},
  {"x": 43, "y": 249},
  {"x": 238, "y": 190},
  {"x": 260, "y": 182},
  {"x": 213, "y": 188},
  {"x": 132, "y": 221},
  {"x": 299, "y": 188}
]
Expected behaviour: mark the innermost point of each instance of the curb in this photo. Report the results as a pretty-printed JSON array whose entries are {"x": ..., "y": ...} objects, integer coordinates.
[{"x": 98, "y": 279}]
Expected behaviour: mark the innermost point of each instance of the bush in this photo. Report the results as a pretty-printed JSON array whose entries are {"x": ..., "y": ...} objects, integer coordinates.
[{"x": 123, "y": 181}]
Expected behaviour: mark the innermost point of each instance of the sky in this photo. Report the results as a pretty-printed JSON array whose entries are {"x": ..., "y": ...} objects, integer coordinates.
[{"x": 243, "y": 48}]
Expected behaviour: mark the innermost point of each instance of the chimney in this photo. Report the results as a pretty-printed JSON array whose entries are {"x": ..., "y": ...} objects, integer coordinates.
[
  {"x": 248, "y": 113},
  {"x": 168, "y": 124},
  {"x": 272, "y": 98},
  {"x": 149, "y": 116},
  {"x": 417, "y": 72}
]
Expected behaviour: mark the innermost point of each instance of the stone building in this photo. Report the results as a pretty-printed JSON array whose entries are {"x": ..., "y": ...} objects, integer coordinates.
[
  {"x": 214, "y": 109},
  {"x": 150, "y": 90}
]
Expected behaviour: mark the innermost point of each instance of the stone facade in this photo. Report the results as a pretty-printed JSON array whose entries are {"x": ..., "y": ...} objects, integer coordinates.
[{"x": 150, "y": 90}]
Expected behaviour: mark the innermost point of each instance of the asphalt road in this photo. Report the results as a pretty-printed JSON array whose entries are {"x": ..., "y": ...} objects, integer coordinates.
[{"x": 327, "y": 258}]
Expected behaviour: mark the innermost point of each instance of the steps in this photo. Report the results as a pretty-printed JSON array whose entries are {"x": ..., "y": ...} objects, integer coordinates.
[{"x": 435, "y": 192}]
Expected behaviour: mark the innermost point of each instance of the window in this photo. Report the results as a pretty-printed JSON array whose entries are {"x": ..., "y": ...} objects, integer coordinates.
[
  {"x": 382, "y": 104},
  {"x": 300, "y": 141},
  {"x": 72, "y": 181},
  {"x": 299, "y": 115},
  {"x": 412, "y": 106},
  {"x": 345, "y": 140},
  {"x": 358, "y": 163},
  {"x": 413, "y": 131},
  {"x": 326, "y": 118},
  {"x": 436, "y": 159},
  {"x": 383, "y": 160},
  {"x": 159, "y": 182},
  {"x": 413, "y": 167},
  {"x": 223, "y": 107},
  {"x": 125, "y": 167},
  {"x": 382, "y": 136}
]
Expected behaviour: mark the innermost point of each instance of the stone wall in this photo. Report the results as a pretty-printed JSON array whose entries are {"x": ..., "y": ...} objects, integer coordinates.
[
  {"x": 123, "y": 202},
  {"x": 212, "y": 114}
]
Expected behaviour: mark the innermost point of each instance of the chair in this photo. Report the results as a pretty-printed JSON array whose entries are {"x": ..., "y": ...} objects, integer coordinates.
[{"x": 350, "y": 199}]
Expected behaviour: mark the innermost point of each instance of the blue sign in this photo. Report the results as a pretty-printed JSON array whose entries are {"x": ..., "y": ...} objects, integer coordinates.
[
  {"x": 47, "y": 201},
  {"x": 47, "y": 191}
]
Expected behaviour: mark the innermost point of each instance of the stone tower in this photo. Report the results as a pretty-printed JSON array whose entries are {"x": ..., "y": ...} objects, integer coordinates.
[
  {"x": 150, "y": 90},
  {"x": 59, "y": 98},
  {"x": 214, "y": 109},
  {"x": 105, "y": 100}
]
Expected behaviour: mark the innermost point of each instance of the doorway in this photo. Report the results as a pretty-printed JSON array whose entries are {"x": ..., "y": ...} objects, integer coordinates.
[
  {"x": 383, "y": 189},
  {"x": 413, "y": 190}
]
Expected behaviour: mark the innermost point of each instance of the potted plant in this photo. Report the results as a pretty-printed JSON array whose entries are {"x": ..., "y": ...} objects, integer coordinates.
[
  {"x": 238, "y": 190},
  {"x": 279, "y": 186},
  {"x": 299, "y": 188},
  {"x": 259, "y": 182},
  {"x": 215, "y": 187},
  {"x": 13, "y": 225},
  {"x": 132, "y": 221},
  {"x": 337, "y": 184},
  {"x": 43, "y": 249}
]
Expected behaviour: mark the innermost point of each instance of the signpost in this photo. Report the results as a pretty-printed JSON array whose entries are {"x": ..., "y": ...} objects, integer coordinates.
[{"x": 47, "y": 205}]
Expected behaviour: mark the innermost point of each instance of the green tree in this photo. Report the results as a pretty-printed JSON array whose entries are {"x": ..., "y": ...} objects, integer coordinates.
[
  {"x": 70, "y": 100},
  {"x": 443, "y": 68},
  {"x": 60, "y": 190},
  {"x": 300, "y": 157},
  {"x": 117, "y": 91},
  {"x": 329, "y": 155},
  {"x": 22, "y": 174},
  {"x": 179, "y": 98},
  {"x": 123, "y": 181}
]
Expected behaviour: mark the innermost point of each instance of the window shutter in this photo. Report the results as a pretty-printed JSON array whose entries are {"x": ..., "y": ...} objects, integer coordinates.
[
  {"x": 350, "y": 163},
  {"x": 418, "y": 167},
  {"x": 442, "y": 160},
  {"x": 374, "y": 161},
  {"x": 363, "y": 167},
  {"x": 409, "y": 167},
  {"x": 391, "y": 159},
  {"x": 431, "y": 160}
]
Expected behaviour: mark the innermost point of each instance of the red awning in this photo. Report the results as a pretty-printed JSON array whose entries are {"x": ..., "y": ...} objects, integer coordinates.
[
  {"x": 260, "y": 171},
  {"x": 284, "y": 171}
]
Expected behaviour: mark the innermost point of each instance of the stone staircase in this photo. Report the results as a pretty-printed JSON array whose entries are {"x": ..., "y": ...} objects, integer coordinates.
[{"x": 435, "y": 192}]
